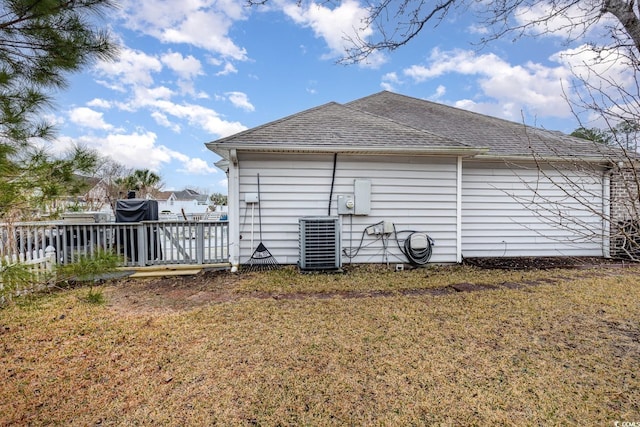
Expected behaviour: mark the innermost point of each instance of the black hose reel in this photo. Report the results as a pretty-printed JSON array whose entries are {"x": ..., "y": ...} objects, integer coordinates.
[{"x": 418, "y": 247}]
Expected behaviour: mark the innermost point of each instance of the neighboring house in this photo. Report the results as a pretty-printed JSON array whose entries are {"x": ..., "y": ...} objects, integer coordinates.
[
  {"x": 477, "y": 185},
  {"x": 187, "y": 201},
  {"x": 95, "y": 198}
]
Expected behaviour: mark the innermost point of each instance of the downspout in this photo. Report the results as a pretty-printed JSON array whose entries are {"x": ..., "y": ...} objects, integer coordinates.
[
  {"x": 459, "y": 210},
  {"x": 333, "y": 181},
  {"x": 606, "y": 213},
  {"x": 234, "y": 211}
]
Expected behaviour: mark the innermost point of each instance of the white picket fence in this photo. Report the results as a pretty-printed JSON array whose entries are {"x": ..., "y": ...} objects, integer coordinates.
[{"x": 40, "y": 263}]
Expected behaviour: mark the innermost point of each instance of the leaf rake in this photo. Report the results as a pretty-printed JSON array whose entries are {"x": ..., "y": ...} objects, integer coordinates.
[{"x": 261, "y": 259}]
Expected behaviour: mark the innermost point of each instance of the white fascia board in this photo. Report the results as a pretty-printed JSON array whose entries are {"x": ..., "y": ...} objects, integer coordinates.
[
  {"x": 556, "y": 159},
  {"x": 225, "y": 150}
]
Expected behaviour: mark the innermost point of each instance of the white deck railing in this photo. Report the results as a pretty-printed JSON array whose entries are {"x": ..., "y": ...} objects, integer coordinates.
[
  {"x": 40, "y": 266},
  {"x": 141, "y": 244}
]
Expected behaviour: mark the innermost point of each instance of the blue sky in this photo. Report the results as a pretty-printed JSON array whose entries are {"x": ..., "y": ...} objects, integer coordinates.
[{"x": 194, "y": 71}]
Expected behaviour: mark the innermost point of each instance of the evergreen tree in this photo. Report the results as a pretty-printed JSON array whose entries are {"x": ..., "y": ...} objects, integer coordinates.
[
  {"x": 593, "y": 134},
  {"x": 41, "y": 43}
]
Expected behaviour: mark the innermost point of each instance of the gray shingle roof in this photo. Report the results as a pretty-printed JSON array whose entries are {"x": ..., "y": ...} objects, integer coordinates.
[
  {"x": 387, "y": 120},
  {"x": 501, "y": 137},
  {"x": 334, "y": 125},
  {"x": 182, "y": 195}
]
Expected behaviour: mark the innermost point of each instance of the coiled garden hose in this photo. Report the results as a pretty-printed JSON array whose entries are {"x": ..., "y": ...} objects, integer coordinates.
[{"x": 418, "y": 248}]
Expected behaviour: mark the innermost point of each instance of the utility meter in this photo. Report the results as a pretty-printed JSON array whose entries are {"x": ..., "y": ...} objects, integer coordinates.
[{"x": 346, "y": 204}]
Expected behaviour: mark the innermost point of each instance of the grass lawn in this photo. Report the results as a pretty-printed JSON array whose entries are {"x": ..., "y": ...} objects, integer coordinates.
[{"x": 368, "y": 347}]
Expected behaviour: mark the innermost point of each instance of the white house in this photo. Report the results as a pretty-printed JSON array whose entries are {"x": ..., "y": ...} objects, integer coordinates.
[
  {"x": 387, "y": 165},
  {"x": 185, "y": 201}
]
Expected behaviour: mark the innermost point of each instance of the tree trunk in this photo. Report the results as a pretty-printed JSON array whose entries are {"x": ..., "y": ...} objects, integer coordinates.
[{"x": 625, "y": 13}]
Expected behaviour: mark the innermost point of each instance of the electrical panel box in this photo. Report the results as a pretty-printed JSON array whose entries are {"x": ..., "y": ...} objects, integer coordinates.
[
  {"x": 346, "y": 204},
  {"x": 251, "y": 198},
  {"x": 362, "y": 196}
]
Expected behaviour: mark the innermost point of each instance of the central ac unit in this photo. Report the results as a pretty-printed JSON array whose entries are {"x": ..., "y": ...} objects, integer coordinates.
[{"x": 320, "y": 243}]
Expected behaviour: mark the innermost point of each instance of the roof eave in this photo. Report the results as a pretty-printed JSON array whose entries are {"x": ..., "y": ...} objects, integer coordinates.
[
  {"x": 225, "y": 150},
  {"x": 545, "y": 158}
]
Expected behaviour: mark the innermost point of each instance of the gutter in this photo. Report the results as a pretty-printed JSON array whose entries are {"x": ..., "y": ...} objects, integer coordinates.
[
  {"x": 604, "y": 161},
  {"x": 229, "y": 152}
]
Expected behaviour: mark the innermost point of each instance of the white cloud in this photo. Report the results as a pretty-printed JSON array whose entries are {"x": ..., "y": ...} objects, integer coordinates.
[
  {"x": 187, "y": 87},
  {"x": 139, "y": 150},
  {"x": 99, "y": 103},
  {"x": 200, "y": 23},
  {"x": 197, "y": 115},
  {"x": 88, "y": 118},
  {"x": 133, "y": 74},
  {"x": 240, "y": 100},
  {"x": 163, "y": 120},
  {"x": 196, "y": 30},
  {"x": 196, "y": 166},
  {"x": 440, "y": 91},
  {"x": 54, "y": 119},
  {"x": 335, "y": 26},
  {"x": 478, "y": 29},
  {"x": 389, "y": 81},
  {"x": 587, "y": 64},
  {"x": 131, "y": 68},
  {"x": 228, "y": 69},
  {"x": 187, "y": 67},
  {"x": 534, "y": 87},
  {"x": 579, "y": 19},
  {"x": 202, "y": 95},
  {"x": 136, "y": 150},
  {"x": 611, "y": 80},
  {"x": 158, "y": 101},
  {"x": 143, "y": 96}
]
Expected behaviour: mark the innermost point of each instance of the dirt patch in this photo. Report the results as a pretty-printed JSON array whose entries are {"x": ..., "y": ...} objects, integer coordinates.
[
  {"x": 471, "y": 287},
  {"x": 172, "y": 293},
  {"x": 188, "y": 292},
  {"x": 177, "y": 293}
]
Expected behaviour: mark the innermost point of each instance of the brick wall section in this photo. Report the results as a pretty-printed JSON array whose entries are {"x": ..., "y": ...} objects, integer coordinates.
[{"x": 625, "y": 207}]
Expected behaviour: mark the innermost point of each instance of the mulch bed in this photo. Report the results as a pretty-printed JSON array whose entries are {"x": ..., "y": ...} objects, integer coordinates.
[{"x": 543, "y": 263}]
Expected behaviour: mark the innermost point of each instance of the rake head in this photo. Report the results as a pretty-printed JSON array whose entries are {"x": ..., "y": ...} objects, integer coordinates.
[{"x": 261, "y": 259}]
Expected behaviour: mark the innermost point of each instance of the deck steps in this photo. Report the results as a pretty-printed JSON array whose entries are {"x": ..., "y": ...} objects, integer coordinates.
[
  {"x": 165, "y": 272},
  {"x": 171, "y": 270}
]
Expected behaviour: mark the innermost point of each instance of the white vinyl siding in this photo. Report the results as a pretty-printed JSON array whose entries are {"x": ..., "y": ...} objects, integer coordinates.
[
  {"x": 415, "y": 193},
  {"x": 515, "y": 210}
]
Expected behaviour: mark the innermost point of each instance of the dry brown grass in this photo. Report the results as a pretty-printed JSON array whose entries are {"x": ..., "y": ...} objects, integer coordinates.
[{"x": 566, "y": 352}]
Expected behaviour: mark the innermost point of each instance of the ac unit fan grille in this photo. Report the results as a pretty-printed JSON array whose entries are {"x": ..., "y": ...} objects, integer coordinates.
[{"x": 320, "y": 243}]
